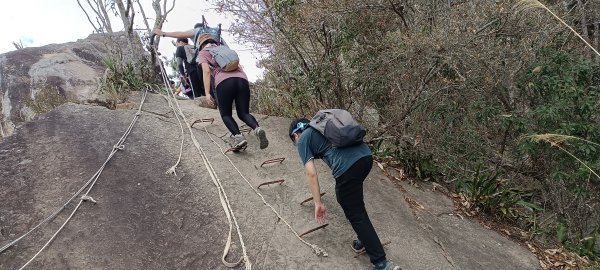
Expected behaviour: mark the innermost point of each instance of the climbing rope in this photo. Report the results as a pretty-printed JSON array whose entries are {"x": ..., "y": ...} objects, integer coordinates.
[
  {"x": 316, "y": 249},
  {"x": 172, "y": 169},
  {"x": 91, "y": 182},
  {"x": 217, "y": 182}
]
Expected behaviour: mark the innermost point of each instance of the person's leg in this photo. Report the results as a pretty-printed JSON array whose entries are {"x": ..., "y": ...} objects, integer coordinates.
[
  {"x": 242, "y": 103},
  {"x": 242, "y": 107},
  {"x": 226, "y": 92},
  {"x": 196, "y": 82},
  {"x": 349, "y": 193}
]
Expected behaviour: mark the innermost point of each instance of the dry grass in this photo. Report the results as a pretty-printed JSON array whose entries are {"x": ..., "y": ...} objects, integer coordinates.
[
  {"x": 523, "y": 5},
  {"x": 555, "y": 140}
]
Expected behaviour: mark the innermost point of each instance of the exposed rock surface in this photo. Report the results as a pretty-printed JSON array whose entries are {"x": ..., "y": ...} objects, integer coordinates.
[
  {"x": 32, "y": 78},
  {"x": 145, "y": 219}
]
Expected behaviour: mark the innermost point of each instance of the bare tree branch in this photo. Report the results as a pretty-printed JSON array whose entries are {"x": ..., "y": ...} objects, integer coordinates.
[{"x": 96, "y": 29}]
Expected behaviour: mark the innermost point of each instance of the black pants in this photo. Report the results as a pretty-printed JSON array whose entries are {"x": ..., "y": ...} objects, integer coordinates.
[
  {"x": 197, "y": 86},
  {"x": 349, "y": 193},
  {"x": 235, "y": 90}
]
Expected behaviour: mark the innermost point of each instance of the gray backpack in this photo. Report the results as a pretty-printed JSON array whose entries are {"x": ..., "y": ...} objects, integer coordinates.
[
  {"x": 338, "y": 127},
  {"x": 226, "y": 58},
  {"x": 190, "y": 53}
]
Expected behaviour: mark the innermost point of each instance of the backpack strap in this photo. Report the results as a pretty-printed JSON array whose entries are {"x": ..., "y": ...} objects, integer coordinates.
[{"x": 209, "y": 50}]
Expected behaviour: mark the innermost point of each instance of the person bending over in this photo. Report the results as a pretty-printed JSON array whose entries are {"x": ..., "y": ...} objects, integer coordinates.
[{"x": 350, "y": 167}]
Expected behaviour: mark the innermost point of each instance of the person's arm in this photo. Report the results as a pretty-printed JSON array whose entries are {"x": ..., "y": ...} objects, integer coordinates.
[
  {"x": 206, "y": 81},
  {"x": 312, "y": 180},
  {"x": 177, "y": 34}
]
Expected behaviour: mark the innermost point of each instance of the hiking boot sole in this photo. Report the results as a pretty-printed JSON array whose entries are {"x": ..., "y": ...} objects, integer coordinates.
[
  {"x": 262, "y": 139},
  {"x": 240, "y": 145},
  {"x": 357, "y": 250}
]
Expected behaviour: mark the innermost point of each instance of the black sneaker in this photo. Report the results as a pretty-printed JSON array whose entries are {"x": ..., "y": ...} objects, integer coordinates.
[
  {"x": 386, "y": 265},
  {"x": 357, "y": 246}
]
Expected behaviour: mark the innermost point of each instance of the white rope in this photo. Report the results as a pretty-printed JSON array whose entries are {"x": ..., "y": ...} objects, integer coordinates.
[
  {"x": 217, "y": 182},
  {"x": 172, "y": 169},
  {"x": 319, "y": 251},
  {"x": 316, "y": 249},
  {"x": 116, "y": 148}
]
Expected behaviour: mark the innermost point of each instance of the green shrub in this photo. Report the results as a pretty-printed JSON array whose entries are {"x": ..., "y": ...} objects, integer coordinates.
[
  {"x": 485, "y": 191},
  {"x": 560, "y": 125},
  {"x": 121, "y": 78}
]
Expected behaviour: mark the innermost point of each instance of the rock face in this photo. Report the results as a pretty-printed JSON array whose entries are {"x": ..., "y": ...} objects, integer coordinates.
[
  {"x": 146, "y": 219},
  {"x": 35, "y": 80}
]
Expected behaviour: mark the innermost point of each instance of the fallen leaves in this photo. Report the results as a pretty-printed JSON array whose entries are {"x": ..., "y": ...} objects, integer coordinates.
[{"x": 557, "y": 258}]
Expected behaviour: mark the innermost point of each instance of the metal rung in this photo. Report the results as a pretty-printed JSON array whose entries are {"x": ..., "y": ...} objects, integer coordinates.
[
  {"x": 235, "y": 151},
  {"x": 315, "y": 229},
  {"x": 310, "y": 199},
  {"x": 275, "y": 160},
  {"x": 203, "y": 120},
  {"x": 247, "y": 130},
  {"x": 271, "y": 182}
]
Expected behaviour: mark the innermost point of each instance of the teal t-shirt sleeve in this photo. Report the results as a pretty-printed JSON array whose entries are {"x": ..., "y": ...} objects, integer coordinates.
[{"x": 306, "y": 154}]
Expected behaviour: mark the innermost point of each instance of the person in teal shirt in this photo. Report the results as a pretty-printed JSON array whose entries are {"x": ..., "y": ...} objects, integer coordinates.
[{"x": 350, "y": 167}]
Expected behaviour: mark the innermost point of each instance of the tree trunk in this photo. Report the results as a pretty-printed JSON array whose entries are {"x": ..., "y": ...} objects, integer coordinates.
[
  {"x": 584, "y": 28},
  {"x": 161, "y": 16},
  {"x": 104, "y": 16},
  {"x": 144, "y": 18},
  {"x": 597, "y": 38},
  {"x": 127, "y": 14},
  {"x": 102, "y": 19}
]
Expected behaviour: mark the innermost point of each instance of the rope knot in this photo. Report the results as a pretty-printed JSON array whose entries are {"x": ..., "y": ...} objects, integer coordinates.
[
  {"x": 172, "y": 170},
  {"x": 88, "y": 198},
  {"x": 119, "y": 147},
  {"x": 138, "y": 113}
]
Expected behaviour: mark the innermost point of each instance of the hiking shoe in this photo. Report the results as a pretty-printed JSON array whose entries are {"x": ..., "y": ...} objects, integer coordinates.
[
  {"x": 238, "y": 141},
  {"x": 357, "y": 246},
  {"x": 386, "y": 265},
  {"x": 262, "y": 137}
]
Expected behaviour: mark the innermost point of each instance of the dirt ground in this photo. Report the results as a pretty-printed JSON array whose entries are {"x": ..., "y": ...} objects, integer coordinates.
[{"x": 146, "y": 219}]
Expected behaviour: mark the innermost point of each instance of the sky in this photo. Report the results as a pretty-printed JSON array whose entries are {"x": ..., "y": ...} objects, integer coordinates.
[{"x": 40, "y": 22}]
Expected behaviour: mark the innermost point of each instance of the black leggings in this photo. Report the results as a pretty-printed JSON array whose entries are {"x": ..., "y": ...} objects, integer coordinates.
[
  {"x": 238, "y": 90},
  {"x": 349, "y": 193}
]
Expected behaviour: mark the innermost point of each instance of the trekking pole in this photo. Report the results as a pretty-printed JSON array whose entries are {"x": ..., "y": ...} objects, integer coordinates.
[{"x": 220, "y": 38}]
